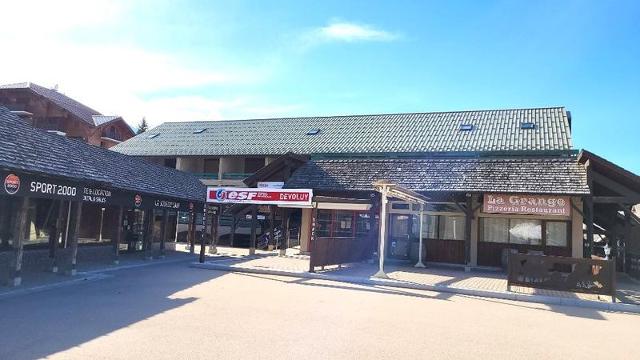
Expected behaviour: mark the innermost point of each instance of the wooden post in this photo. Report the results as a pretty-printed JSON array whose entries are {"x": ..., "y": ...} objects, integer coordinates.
[
  {"x": 75, "y": 232},
  {"x": 163, "y": 234},
  {"x": 272, "y": 226},
  {"x": 100, "y": 225},
  {"x": 55, "y": 236},
  {"x": 232, "y": 235},
  {"x": 215, "y": 219},
  {"x": 148, "y": 236},
  {"x": 118, "y": 236},
  {"x": 285, "y": 231},
  {"x": 312, "y": 240},
  {"x": 383, "y": 225},
  {"x": 588, "y": 211},
  {"x": 192, "y": 232},
  {"x": 18, "y": 236},
  {"x": 203, "y": 236},
  {"x": 467, "y": 232},
  {"x": 254, "y": 223}
]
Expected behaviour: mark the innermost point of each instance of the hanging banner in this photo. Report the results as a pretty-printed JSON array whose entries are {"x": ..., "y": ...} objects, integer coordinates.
[
  {"x": 526, "y": 204},
  {"x": 261, "y": 196}
]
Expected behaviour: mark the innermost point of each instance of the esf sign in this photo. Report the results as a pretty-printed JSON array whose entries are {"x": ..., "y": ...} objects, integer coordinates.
[{"x": 261, "y": 196}]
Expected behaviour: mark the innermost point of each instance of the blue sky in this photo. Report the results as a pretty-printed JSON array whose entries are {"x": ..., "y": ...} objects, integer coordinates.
[{"x": 202, "y": 60}]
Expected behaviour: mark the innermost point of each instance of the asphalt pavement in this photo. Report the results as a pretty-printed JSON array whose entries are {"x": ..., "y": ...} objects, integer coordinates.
[{"x": 172, "y": 311}]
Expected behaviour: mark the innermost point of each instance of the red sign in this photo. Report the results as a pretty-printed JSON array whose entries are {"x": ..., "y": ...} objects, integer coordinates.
[
  {"x": 11, "y": 184},
  {"x": 527, "y": 204},
  {"x": 264, "y": 196}
]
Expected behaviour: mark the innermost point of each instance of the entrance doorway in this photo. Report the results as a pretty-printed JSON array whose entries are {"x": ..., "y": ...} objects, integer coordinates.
[{"x": 402, "y": 233}]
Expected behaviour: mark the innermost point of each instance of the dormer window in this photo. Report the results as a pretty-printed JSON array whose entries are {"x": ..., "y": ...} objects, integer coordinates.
[
  {"x": 466, "y": 127},
  {"x": 200, "y": 131},
  {"x": 153, "y": 136},
  {"x": 313, "y": 132}
]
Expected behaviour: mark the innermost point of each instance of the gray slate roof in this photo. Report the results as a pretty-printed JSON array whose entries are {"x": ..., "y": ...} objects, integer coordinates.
[
  {"x": 494, "y": 130},
  {"x": 515, "y": 175},
  {"x": 25, "y": 148}
]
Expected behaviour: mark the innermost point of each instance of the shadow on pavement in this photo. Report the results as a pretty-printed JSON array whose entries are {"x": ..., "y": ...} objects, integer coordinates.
[{"x": 37, "y": 325}]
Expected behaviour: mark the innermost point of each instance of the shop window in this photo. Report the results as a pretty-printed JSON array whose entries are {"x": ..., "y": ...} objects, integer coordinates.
[
  {"x": 323, "y": 223},
  {"x": 451, "y": 227},
  {"x": 344, "y": 224},
  {"x": 525, "y": 231},
  {"x": 363, "y": 225},
  {"x": 430, "y": 227},
  {"x": 557, "y": 233},
  {"x": 495, "y": 230},
  {"x": 400, "y": 206}
]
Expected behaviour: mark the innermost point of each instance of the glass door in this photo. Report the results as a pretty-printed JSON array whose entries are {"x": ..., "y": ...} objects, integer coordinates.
[{"x": 401, "y": 235}]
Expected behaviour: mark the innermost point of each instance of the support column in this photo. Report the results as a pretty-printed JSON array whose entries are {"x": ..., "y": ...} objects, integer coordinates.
[
  {"x": 192, "y": 232},
  {"x": 232, "y": 235},
  {"x": 54, "y": 237},
  {"x": 18, "y": 243},
  {"x": 148, "y": 235},
  {"x": 254, "y": 223},
  {"x": 203, "y": 236},
  {"x": 467, "y": 232},
  {"x": 381, "y": 236},
  {"x": 420, "y": 264},
  {"x": 285, "y": 231},
  {"x": 215, "y": 220},
  {"x": 588, "y": 211},
  {"x": 163, "y": 234},
  {"x": 76, "y": 211},
  {"x": 118, "y": 236},
  {"x": 100, "y": 225},
  {"x": 272, "y": 219}
]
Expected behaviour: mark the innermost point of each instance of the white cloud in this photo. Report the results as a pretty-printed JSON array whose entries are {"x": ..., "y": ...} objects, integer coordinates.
[
  {"x": 113, "y": 77},
  {"x": 347, "y": 32}
]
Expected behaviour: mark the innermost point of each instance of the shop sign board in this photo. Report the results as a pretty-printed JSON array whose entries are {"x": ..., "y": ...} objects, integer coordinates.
[
  {"x": 527, "y": 204},
  {"x": 260, "y": 196},
  {"x": 20, "y": 184},
  {"x": 271, "y": 184}
]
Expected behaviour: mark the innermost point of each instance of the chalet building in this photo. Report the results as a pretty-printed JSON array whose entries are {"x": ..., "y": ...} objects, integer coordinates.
[
  {"x": 64, "y": 202},
  {"x": 55, "y": 112},
  {"x": 465, "y": 187}
]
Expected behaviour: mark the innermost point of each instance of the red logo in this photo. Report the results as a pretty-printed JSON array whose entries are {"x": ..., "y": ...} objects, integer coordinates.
[
  {"x": 11, "y": 184},
  {"x": 137, "y": 200}
]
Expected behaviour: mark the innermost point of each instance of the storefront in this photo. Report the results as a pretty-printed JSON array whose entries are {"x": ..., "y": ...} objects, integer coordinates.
[{"x": 62, "y": 200}]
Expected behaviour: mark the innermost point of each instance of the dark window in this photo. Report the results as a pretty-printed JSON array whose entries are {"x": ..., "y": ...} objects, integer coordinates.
[
  {"x": 313, "y": 132},
  {"x": 170, "y": 163},
  {"x": 211, "y": 166},
  {"x": 527, "y": 125},
  {"x": 199, "y": 131},
  {"x": 466, "y": 127},
  {"x": 152, "y": 136},
  {"x": 323, "y": 223},
  {"x": 252, "y": 165}
]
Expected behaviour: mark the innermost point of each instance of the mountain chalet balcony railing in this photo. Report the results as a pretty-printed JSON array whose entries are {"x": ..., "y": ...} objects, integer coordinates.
[
  {"x": 236, "y": 176},
  {"x": 206, "y": 176}
]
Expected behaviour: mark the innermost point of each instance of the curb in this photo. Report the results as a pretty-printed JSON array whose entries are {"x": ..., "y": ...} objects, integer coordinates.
[
  {"x": 133, "y": 266},
  {"x": 81, "y": 277},
  {"x": 540, "y": 299}
]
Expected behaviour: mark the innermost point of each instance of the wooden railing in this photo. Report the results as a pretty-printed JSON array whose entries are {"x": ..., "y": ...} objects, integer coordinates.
[{"x": 562, "y": 273}]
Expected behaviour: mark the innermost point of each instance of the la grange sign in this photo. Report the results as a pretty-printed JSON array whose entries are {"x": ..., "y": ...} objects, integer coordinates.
[
  {"x": 526, "y": 204},
  {"x": 260, "y": 196}
]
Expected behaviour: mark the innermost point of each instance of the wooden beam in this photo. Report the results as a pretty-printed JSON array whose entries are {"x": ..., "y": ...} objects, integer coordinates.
[
  {"x": 285, "y": 231},
  {"x": 613, "y": 185},
  {"x": 616, "y": 200},
  {"x": 254, "y": 223},
  {"x": 163, "y": 235},
  {"x": 76, "y": 215},
  {"x": 203, "y": 236}
]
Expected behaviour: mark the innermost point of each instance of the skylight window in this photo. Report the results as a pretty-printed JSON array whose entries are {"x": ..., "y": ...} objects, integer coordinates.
[
  {"x": 527, "y": 125},
  {"x": 153, "y": 136},
  {"x": 199, "y": 131},
  {"x": 466, "y": 127},
  {"x": 313, "y": 132}
]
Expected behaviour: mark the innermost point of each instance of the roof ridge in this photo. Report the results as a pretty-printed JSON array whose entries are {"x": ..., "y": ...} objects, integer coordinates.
[{"x": 361, "y": 115}]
